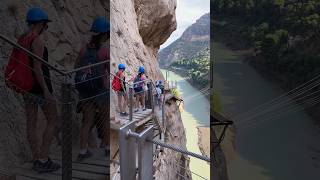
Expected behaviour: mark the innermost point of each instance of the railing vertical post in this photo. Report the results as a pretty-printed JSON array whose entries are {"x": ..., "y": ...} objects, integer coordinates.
[
  {"x": 145, "y": 154},
  {"x": 130, "y": 103},
  {"x": 66, "y": 131},
  {"x": 127, "y": 148}
]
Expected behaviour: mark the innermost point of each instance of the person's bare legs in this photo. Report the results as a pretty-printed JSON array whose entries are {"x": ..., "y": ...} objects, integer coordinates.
[
  {"x": 88, "y": 117},
  {"x": 143, "y": 101},
  {"x": 51, "y": 113},
  {"x": 125, "y": 102},
  {"x": 136, "y": 103},
  {"x": 120, "y": 103},
  {"x": 104, "y": 121},
  {"x": 31, "y": 109}
]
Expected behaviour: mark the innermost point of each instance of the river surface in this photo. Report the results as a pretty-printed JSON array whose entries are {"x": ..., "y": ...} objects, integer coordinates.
[
  {"x": 196, "y": 111},
  {"x": 277, "y": 146}
]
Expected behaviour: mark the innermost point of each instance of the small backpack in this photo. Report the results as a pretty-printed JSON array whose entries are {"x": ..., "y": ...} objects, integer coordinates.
[
  {"x": 116, "y": 84},
  {"x": 138, "y": 84},
  {"x": 89, "y": 80},
  {"x": 18, "y": 73}
]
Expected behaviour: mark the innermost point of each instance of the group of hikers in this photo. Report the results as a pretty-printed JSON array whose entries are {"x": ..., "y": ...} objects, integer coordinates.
[
  {"x": 140, "y": 87},
  {"x": 31, "y": 78}
]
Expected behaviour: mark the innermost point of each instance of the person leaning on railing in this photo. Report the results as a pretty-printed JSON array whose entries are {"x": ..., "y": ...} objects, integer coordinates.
[{"x": 93, "y": 87}]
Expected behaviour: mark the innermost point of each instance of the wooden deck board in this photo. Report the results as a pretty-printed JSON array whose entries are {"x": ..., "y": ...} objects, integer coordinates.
[
  {"x": 96, "y": 167},
  {"x": 26, "y": 171},
  {"x": 79, "y": 171},
  {"x": 141, "y": 117}
]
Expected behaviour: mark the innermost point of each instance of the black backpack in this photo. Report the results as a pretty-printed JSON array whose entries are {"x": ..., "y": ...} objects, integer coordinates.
[
  {"x": 89, "y": 81},
  {"x": 138, "y": 84}
]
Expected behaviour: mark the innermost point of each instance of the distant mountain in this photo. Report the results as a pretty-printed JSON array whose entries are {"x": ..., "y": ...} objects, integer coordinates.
[{"x": 193, "y": 42}]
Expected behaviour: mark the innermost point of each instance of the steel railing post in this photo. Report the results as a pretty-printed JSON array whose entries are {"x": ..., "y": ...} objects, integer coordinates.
[
  {"x": 127, "y": 148},
  {"x": 145, "y": 155},
  {"x": 130, "y": 103}
]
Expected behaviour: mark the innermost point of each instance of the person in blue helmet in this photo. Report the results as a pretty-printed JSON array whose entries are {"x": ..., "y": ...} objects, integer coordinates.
[
  {"x": 139, "y": 89},
  {"x": 159, "y": 92},
  {"x": 93, "y": 86},
  {"x": 119, "y": 86},
  {"x": 41, "y": 94}
]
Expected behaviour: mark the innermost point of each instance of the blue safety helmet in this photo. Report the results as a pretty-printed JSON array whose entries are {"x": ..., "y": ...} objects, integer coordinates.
[
  {"x": 100, "y": 25},
  {"x": 37, "y": 15},
  {"x": 121, "y": 66},
  {"x": 141, "y": 69}
]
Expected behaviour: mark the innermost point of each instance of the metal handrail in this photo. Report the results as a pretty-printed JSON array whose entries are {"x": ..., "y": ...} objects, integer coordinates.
[
  {"x": 88, "y": 66},
  {"x": 169, "y": 146}
]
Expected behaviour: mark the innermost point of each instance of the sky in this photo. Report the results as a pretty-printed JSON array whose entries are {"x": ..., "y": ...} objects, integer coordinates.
[{"x": 187, "y": 12}]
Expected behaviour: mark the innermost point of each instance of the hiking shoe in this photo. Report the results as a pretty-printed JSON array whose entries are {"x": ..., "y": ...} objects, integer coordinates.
[
  {"x": 136, "y": 110},
  {"x": 45, "y": 167},
  {"x": 144, "y": 109},
  {"x": 87, "y": 155}
]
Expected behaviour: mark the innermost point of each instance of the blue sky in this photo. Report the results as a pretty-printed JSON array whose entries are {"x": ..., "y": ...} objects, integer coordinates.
[{"x": 187, "y": 12}]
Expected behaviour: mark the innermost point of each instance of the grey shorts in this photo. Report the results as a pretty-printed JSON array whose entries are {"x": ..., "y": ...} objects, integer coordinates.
[{"x": 121, "y": 93}]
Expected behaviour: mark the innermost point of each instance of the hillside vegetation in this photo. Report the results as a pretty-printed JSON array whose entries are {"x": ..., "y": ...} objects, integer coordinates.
[{"x": 285, "y": 35}]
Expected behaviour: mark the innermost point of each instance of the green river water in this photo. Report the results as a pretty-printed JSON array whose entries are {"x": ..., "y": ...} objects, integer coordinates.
[{"x": 283, "y": 145}]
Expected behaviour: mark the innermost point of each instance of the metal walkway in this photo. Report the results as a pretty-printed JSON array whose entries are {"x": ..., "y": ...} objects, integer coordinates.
[{"x": 141, "y": 117}]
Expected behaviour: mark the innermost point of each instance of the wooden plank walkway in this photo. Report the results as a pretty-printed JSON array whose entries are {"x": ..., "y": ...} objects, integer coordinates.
[
  {"x": 141, "y": 117},
  {"x": 94, "y": 168}
]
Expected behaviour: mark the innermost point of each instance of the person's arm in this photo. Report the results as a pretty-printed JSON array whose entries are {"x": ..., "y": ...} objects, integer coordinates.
[{"x": 38, "y": 48}]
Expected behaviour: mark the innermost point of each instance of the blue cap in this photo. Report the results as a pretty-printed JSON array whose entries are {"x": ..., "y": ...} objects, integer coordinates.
[
  {"x": 36, "y": 15},
  {"x": 100, "y": 25},
  {"x": 141, "y": 69},
  {"x": 121, "y": 66}
]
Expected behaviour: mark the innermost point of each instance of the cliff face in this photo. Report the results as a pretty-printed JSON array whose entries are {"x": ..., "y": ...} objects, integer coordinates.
[
  {"x": 138, "y": 28},
  {"x": 169, "y": 162}
]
